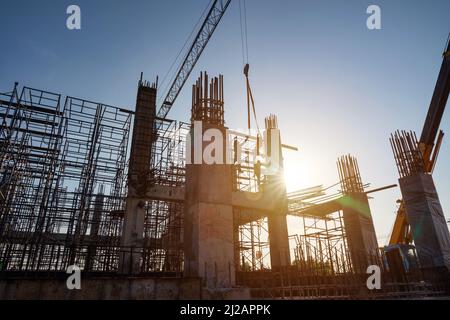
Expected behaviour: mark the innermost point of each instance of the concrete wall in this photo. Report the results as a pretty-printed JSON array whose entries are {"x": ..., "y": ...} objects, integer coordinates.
[{"x": 102, "y": 289}]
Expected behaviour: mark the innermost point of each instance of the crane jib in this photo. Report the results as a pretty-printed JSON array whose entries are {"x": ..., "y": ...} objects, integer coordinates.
[
  {"x": 438, "y": 102},
  {"x": 205, "y": 33}
]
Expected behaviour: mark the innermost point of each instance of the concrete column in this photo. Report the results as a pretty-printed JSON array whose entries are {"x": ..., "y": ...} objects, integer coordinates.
[
  {"x": 276, "y": 188},
  {"x": 277, "y": 224},
  {"x": 208, "y": 221},
  {"x": 360, "y": 231},
  {"x": 426, "y": 218},
  {"x": 95, "y": 227},
  {"x": 132, "y": 236},
  {"x": 139, "y": 180}
]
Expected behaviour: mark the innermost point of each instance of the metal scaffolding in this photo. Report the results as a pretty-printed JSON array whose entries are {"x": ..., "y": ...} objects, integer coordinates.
[
  {"x": 244, "y": 157},
  {"x": 163, "y": 229},
  {"x": 253, "y": 246},
  {"x": 322, "y": 248},
  {"x": 63, "y": 169}
]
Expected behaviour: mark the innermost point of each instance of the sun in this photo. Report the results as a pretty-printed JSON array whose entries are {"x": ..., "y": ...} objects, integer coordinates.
[{"x": 296, "y": 173}]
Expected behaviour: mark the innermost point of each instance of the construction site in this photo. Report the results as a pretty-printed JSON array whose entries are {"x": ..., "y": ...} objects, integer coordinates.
[{"x": 149, "y": 207}]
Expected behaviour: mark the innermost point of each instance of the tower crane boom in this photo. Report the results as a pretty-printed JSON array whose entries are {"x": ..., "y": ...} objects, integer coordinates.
[
  {"x": 215, "y": 14},
  {"x": 435, "y": 111}
]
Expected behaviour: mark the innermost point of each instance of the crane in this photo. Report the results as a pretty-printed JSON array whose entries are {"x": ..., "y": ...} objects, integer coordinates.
[
  {"x": 429, "y": 145},
  {"x": 215, "y": 14}
]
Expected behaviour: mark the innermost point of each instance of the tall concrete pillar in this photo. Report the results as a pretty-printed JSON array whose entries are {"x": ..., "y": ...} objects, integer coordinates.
[
  {"x": 358, "y": 223},
  {"x": 422, "y": 206},
  {"x": 139, "y": 179},
  {"x": 208, "y": 219},
  {"x": 426, "y": 218},
  {"x": 276, "y": 188},
  {"x": 277, "y": 224},
  {"x": 360, "y": 231},
  {"x": 95, "y": 228}
]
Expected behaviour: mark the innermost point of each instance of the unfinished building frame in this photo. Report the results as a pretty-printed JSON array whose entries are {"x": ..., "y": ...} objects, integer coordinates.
[{"x": 65, "y": 182}]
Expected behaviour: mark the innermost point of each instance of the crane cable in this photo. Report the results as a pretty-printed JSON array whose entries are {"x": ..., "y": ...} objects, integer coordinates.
[
  {"x": 244, "y": 43},
  {"x": 243, "y": 22},
  {"x": 250, "y": 99}
]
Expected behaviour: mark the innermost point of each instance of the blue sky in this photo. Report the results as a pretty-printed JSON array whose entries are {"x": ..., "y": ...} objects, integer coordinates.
[{"x": 336, "y": 86}]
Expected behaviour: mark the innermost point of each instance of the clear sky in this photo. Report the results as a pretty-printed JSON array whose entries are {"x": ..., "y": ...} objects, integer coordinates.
[{"x": 336, "y": 86}]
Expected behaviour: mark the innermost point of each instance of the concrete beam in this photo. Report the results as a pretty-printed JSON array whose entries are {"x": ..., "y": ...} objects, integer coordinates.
[
  {"x": 253, "y": 200},
  {"x": 166, "y": 193}
]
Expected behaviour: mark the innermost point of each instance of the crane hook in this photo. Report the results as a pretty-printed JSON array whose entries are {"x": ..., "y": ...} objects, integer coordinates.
[{"x": 246, "y": 68}]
